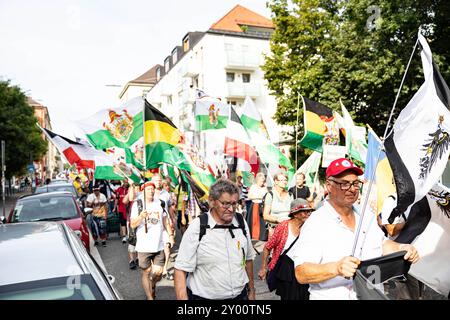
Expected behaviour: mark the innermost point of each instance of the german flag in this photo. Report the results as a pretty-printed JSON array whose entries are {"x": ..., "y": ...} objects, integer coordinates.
[
  {"x": 316, "y": 115},
  {"x": 161, "y": 138}
]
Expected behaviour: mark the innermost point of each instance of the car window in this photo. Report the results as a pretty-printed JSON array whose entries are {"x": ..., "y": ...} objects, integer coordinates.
[
  {"x": 57, "y": 208},
  {"x": 77, "y": 287},
  {"x": 57, "y": 187}
]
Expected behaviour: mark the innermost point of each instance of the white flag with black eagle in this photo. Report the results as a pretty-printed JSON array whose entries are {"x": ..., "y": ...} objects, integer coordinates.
[{"x": 418, "y": 147}]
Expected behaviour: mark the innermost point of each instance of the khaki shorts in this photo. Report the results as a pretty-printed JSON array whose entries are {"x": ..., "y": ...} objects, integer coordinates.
[{"x": 147, "y": 259}]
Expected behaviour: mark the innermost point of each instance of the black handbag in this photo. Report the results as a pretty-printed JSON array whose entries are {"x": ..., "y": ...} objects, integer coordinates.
[
  {"x": 132, "y": 239},
  {"x": 272, "y": 276}
]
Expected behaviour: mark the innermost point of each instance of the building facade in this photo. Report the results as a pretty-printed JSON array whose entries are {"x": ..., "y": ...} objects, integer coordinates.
[
  {"x": 224, "y": 62},
  {"x": 51, "y": 162}
]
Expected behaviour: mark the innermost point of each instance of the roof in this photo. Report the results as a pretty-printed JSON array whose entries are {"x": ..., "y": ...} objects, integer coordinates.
[
  {"x": 33, "y": 103},
  {"x": 29, "y": 251},
  {"x": 148, "y": 77},
  {"x": 240, "y": 15}
]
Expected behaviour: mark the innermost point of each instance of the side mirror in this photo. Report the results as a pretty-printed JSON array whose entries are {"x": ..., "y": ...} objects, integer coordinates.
[{"x": 88, "y": 210}]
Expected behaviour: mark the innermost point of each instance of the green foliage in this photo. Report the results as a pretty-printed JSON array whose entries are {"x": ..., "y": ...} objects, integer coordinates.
[
  {"x": 323, "y": 50},
  {"x": 18, "y": 129}
]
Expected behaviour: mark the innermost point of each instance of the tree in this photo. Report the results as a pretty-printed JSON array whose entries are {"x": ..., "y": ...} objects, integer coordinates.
[
  {"x": 324, "y": 50},
  {"x": 18, "y": 129}
]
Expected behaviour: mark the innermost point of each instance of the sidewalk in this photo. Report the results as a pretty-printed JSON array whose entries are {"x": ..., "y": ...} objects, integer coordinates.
[{"x": 10, "y": 200}]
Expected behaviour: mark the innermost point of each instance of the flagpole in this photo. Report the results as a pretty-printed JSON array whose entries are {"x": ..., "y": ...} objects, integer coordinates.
[
  {"x": 369, "y": 188},
  {"x": 145, "y": 158},
  {"x": 296, "y": 131}
]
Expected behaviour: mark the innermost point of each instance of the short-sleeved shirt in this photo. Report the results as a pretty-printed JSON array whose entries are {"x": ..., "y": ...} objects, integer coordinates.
[
  {"x": 302, "y": 192},
  {"x": 325, "y": 238},
  {"x": 216, "y": 265},
  {"x": 96, "y": 201},
  {"x": 280, "y": 208},
  {"x": 152, "y": 241}
]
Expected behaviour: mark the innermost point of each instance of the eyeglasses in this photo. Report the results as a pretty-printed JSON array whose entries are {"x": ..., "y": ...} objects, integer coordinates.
[
  {"x": 347, "y": 185},
  {"x": 282, "y": 180},
  {"x": 228, "y": 204}
]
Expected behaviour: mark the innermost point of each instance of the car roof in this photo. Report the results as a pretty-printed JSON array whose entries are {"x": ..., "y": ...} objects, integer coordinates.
[
  {"x": 56, "y": 185},
  {"x": 52, "y": 194},
  {"x": 36, "y": 251}
]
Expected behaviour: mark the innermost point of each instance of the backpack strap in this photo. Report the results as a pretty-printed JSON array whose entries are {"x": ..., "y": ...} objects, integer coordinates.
[
  {"x": 203, "y": 225},
  {"x": 241, "y": 223}
]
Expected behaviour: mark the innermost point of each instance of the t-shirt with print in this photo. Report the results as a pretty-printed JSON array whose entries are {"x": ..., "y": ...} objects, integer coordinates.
[{"x": 152, "y": 241}]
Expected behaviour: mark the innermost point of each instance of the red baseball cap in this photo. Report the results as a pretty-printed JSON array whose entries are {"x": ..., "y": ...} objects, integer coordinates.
[{"x": 340, "y": 165}]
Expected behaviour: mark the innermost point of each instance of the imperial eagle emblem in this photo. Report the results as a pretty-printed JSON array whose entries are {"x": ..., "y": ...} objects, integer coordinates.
[
  {"x": 442, "y": 199},
  {"x": 120, "y": 125},
  {"x": 435, "y": 148}
]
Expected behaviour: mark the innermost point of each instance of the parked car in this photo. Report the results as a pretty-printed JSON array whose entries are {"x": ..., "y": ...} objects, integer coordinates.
[
  {"x": 46, "y": 261},
  {"x": 58, "y": 187},
  {"x": 59, "y": 181},
  {"x": 52, "y": 206}
]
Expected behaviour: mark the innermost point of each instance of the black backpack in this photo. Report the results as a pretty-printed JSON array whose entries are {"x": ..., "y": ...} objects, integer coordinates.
[{"x": 204, "y": 225}]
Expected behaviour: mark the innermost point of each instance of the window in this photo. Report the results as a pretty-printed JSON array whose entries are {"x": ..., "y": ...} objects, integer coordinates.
[
  {"x": 186, "y": 44},
  {"x": 158, "y": 74},
  {"x": 174, "y": 56},
  {"x": 246, "y": 77},
  {"x": 232, "y": 103},
  {"x": 166, "y": 65},
  {"x": 230, "y": 76},
  {"x": 228, "y": 47},
  {"x": 169, "y": 101}
]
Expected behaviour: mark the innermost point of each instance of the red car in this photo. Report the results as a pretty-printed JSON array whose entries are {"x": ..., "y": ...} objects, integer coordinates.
[{"x": 52, "y": 206}]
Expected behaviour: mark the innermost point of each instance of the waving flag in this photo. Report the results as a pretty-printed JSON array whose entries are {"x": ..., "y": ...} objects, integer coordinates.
[
  {"x": 428, "y": 229},
  {"x": 355, "y": 137},
  {"x": 161, "y": 139},
  {"x": 418, "y": 148},
  {"x": 85, "y": 156},
  {"x": 210, "y": 113},
  {"x": 237, "y": 144},
  {"x": 309, "y": 168},
  {"x": 119, "y": 127},
  {"x": 316, "y": 116},
  {"x": 252, "y": 121}
]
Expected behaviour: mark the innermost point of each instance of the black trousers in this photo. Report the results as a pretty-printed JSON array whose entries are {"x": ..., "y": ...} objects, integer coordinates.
[{"x": 242, "y": 296}]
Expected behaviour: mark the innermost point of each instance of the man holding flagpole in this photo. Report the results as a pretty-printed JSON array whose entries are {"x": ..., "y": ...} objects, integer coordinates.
[{"x": 323, "y": 255}]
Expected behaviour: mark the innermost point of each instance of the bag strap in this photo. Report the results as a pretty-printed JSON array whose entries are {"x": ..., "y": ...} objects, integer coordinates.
[{"x": 292, "y": 244}]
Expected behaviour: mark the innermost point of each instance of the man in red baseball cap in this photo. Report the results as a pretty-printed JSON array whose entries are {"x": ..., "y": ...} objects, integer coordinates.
[{"x": 323, "y": 257}]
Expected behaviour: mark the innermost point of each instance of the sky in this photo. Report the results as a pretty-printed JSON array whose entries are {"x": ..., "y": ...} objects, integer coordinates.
[{"x": 75, "y": 56}]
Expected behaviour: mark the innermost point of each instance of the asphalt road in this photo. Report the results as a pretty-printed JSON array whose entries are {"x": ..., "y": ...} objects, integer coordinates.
[{"x": 128, "y": 282}]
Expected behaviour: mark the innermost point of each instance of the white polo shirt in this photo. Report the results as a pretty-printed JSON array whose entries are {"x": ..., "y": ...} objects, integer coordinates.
[
  {"x": 216, "y": 265},
  {"x": 325, "y": 238}
]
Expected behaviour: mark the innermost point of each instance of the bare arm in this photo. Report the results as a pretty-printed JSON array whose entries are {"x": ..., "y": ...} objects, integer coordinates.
[
  {"x": 266, "y": 213},
  {"x": 180, "y": 284},
  {"x": 263, "y": 269},
  {"x": 411, "y": 255},
  {"x": 316, "y": 273},
  {"x": 135, "y": 222},
  {"x": 251, "y": 283}
]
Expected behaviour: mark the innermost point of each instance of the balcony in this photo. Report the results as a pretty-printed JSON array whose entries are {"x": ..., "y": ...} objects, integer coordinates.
[
  {"x": 188, "y": 95},
  {"x": 242, "y": 60},
  {"x": 241, "y": 90},
  {"x": 190, "y": 69}
]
